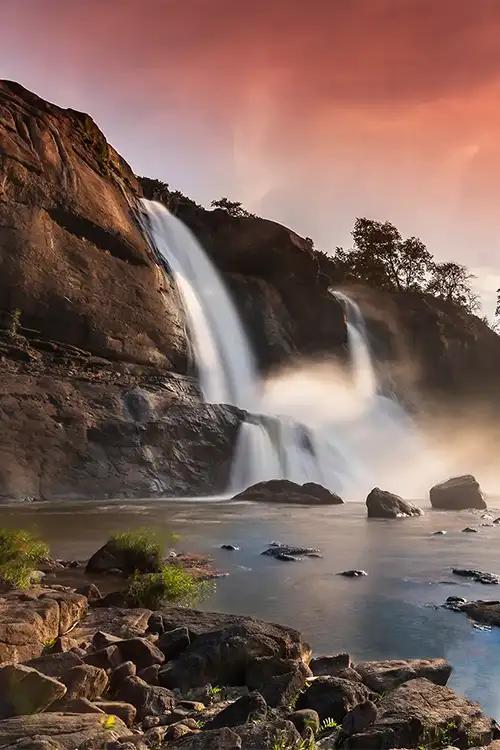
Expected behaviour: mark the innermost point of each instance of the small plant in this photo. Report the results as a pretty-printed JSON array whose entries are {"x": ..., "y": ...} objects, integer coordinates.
[
  {"x": 170, "y": 584},
  {"x": 214, "y": 693},
  {"x": 439, "y": 738},
  {"x": 49, "y": 644},
  {"x": 328, "y": 723},
  {"x": 20, "y": 553}
]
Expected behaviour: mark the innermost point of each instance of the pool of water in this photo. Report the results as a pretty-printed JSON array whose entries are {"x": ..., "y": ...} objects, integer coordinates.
[{"x": 390, "y": 613}]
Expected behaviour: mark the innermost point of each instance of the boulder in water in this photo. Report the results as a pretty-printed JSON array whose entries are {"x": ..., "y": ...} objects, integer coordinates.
[
  {"x": 457, "y": 493},
  {"x": 383, "y": 504},
  {"x": 285, "y": 491}
]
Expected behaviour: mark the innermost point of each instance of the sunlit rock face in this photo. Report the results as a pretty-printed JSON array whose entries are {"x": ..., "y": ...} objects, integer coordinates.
[{"x": 73, "y": 260}]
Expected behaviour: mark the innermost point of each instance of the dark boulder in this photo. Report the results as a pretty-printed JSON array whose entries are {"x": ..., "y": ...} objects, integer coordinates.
[
  {"x": 223, "y": 648},
  {"x": 382, "y": 676},
  {"x": 353, "y": 573},
  {"x": 488, "y": 579},
  {"x": 305, "y": 720},
  {"x": 119, "y": 674},
  {"x": 278, "y": 733},
  {"x": 214, "y": 739},
  {"x": 383, "y": 504},
  {"x": 333, "y": 697},
  {"x": 282, "y": 690},
  {"x": 485, "y": 612},
  {"x": 54, "y": 665},
  {"x": 360, "y": 717},
  {"x": 458, "y": 493},
  {"x": 329, "y": 665},
  {"x": 172, "y": 642},
  {"x": 285, "y": 491},
  {"x": 85, "y": 681},
  {"x": 251, "y": 707},
  {"x": 149, "y": 700},
  {"x": 141, "y": 651}
]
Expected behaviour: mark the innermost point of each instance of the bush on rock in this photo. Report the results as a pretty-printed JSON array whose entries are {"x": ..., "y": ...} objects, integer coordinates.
[{"x": 170, "y": 584}]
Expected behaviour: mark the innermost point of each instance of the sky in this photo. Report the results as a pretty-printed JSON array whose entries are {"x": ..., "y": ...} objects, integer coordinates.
[{"x": 310, "y": 113}]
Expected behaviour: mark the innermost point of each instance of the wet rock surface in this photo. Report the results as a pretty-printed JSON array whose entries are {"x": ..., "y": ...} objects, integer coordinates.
[
  {"x": 383, "y": 504},
  {"x": 285, "y": 491},
  {"x": 478, "y": 576},
  {"x": 458, "y": 493}
]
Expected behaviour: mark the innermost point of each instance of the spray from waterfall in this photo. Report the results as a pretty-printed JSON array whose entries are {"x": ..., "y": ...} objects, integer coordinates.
[{"x": 310, "y": 424}]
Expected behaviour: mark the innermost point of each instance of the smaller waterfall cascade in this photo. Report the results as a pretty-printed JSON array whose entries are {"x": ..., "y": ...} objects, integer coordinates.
[{"x": 308, "y": 424}]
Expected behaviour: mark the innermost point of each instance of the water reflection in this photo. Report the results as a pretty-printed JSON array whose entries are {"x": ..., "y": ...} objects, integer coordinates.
[{"x": 391, "y": 613}]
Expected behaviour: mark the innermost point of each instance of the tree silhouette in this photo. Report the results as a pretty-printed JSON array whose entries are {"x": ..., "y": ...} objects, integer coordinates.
[{"x": 233, "y": 208}]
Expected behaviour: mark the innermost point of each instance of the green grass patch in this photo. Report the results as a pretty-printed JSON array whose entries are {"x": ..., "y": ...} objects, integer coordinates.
[
  {"x": 20, "y": 555},
  {"x": 143, "y": 548},
  {"x": 170, "y": 584}
]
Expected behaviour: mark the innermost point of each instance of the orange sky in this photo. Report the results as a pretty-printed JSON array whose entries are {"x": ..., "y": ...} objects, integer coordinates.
[{"x": 311, "y": 113}]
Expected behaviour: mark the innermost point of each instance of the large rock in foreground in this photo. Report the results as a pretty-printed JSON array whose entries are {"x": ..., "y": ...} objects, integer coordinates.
[
  {"x": 28, "y": 621},
  {"x": 421, "y": 714},
  {"x": 224, "y": 648},
  {"x": 458, "y": 493},
  {"x": 25, "y": 691},
  {"x": 69, "y": 731},
  {"x": 383, "y": 504},
  {"x": 284, "y": 491},
  {"x": 382, "y": 676}
]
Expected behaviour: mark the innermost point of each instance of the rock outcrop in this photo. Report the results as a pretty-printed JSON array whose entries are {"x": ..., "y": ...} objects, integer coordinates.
[
  {"x": 91, "y": 329},
  {"x": 383, "y": 504},
  {"x": 28, "y": 622},
  {"x": 73, "y": 260},
  {"x": 458, "y": 493},
  {"x": 228, "y": 682}
]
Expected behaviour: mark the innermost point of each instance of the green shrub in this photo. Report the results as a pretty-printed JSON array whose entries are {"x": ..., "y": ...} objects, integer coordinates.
[
  {"x": 20, "y": 554},
  {"x": 143, "y": 548},
  {"x": 171, "y": 584}
]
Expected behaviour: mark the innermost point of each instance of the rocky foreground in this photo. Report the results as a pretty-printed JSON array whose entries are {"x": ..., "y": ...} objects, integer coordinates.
[{"x": 77, "y": 674}]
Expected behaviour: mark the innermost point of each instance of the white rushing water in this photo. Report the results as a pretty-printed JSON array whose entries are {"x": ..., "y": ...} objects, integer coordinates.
[
  {"x": 309, "y": 424},
  {"x": 224, "y": 359}
]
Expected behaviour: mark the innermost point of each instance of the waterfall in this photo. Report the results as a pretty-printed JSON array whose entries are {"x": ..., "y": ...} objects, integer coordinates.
[
  {"x": 308, "y": 424},
  {"x": 223, "y": 356}
]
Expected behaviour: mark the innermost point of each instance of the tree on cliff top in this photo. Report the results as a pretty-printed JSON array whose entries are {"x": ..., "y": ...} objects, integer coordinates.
[
  {"x": 451, "y": 282},
  {"x": 382, "y": 258},
  {"x": 233, "y": 208}
]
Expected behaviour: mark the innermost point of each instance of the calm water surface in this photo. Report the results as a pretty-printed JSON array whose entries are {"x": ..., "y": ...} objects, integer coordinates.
[{"x": 391, "y": 613}]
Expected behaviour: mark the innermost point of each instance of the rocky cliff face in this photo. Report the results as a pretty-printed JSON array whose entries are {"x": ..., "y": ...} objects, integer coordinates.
[
  {"x": 90, "y": 329},
  {"x": 73, "y": 261}
]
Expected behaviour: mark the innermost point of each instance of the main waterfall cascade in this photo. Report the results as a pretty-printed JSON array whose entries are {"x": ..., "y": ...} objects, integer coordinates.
[{"x": 308, "y": 424}]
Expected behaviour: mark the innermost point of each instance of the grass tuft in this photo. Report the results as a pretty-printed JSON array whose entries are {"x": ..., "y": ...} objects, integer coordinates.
[
  {"x": 143, "y": 548},
  {"x": 170, "y": 584},
  {"x": 20, "y": 554}
]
